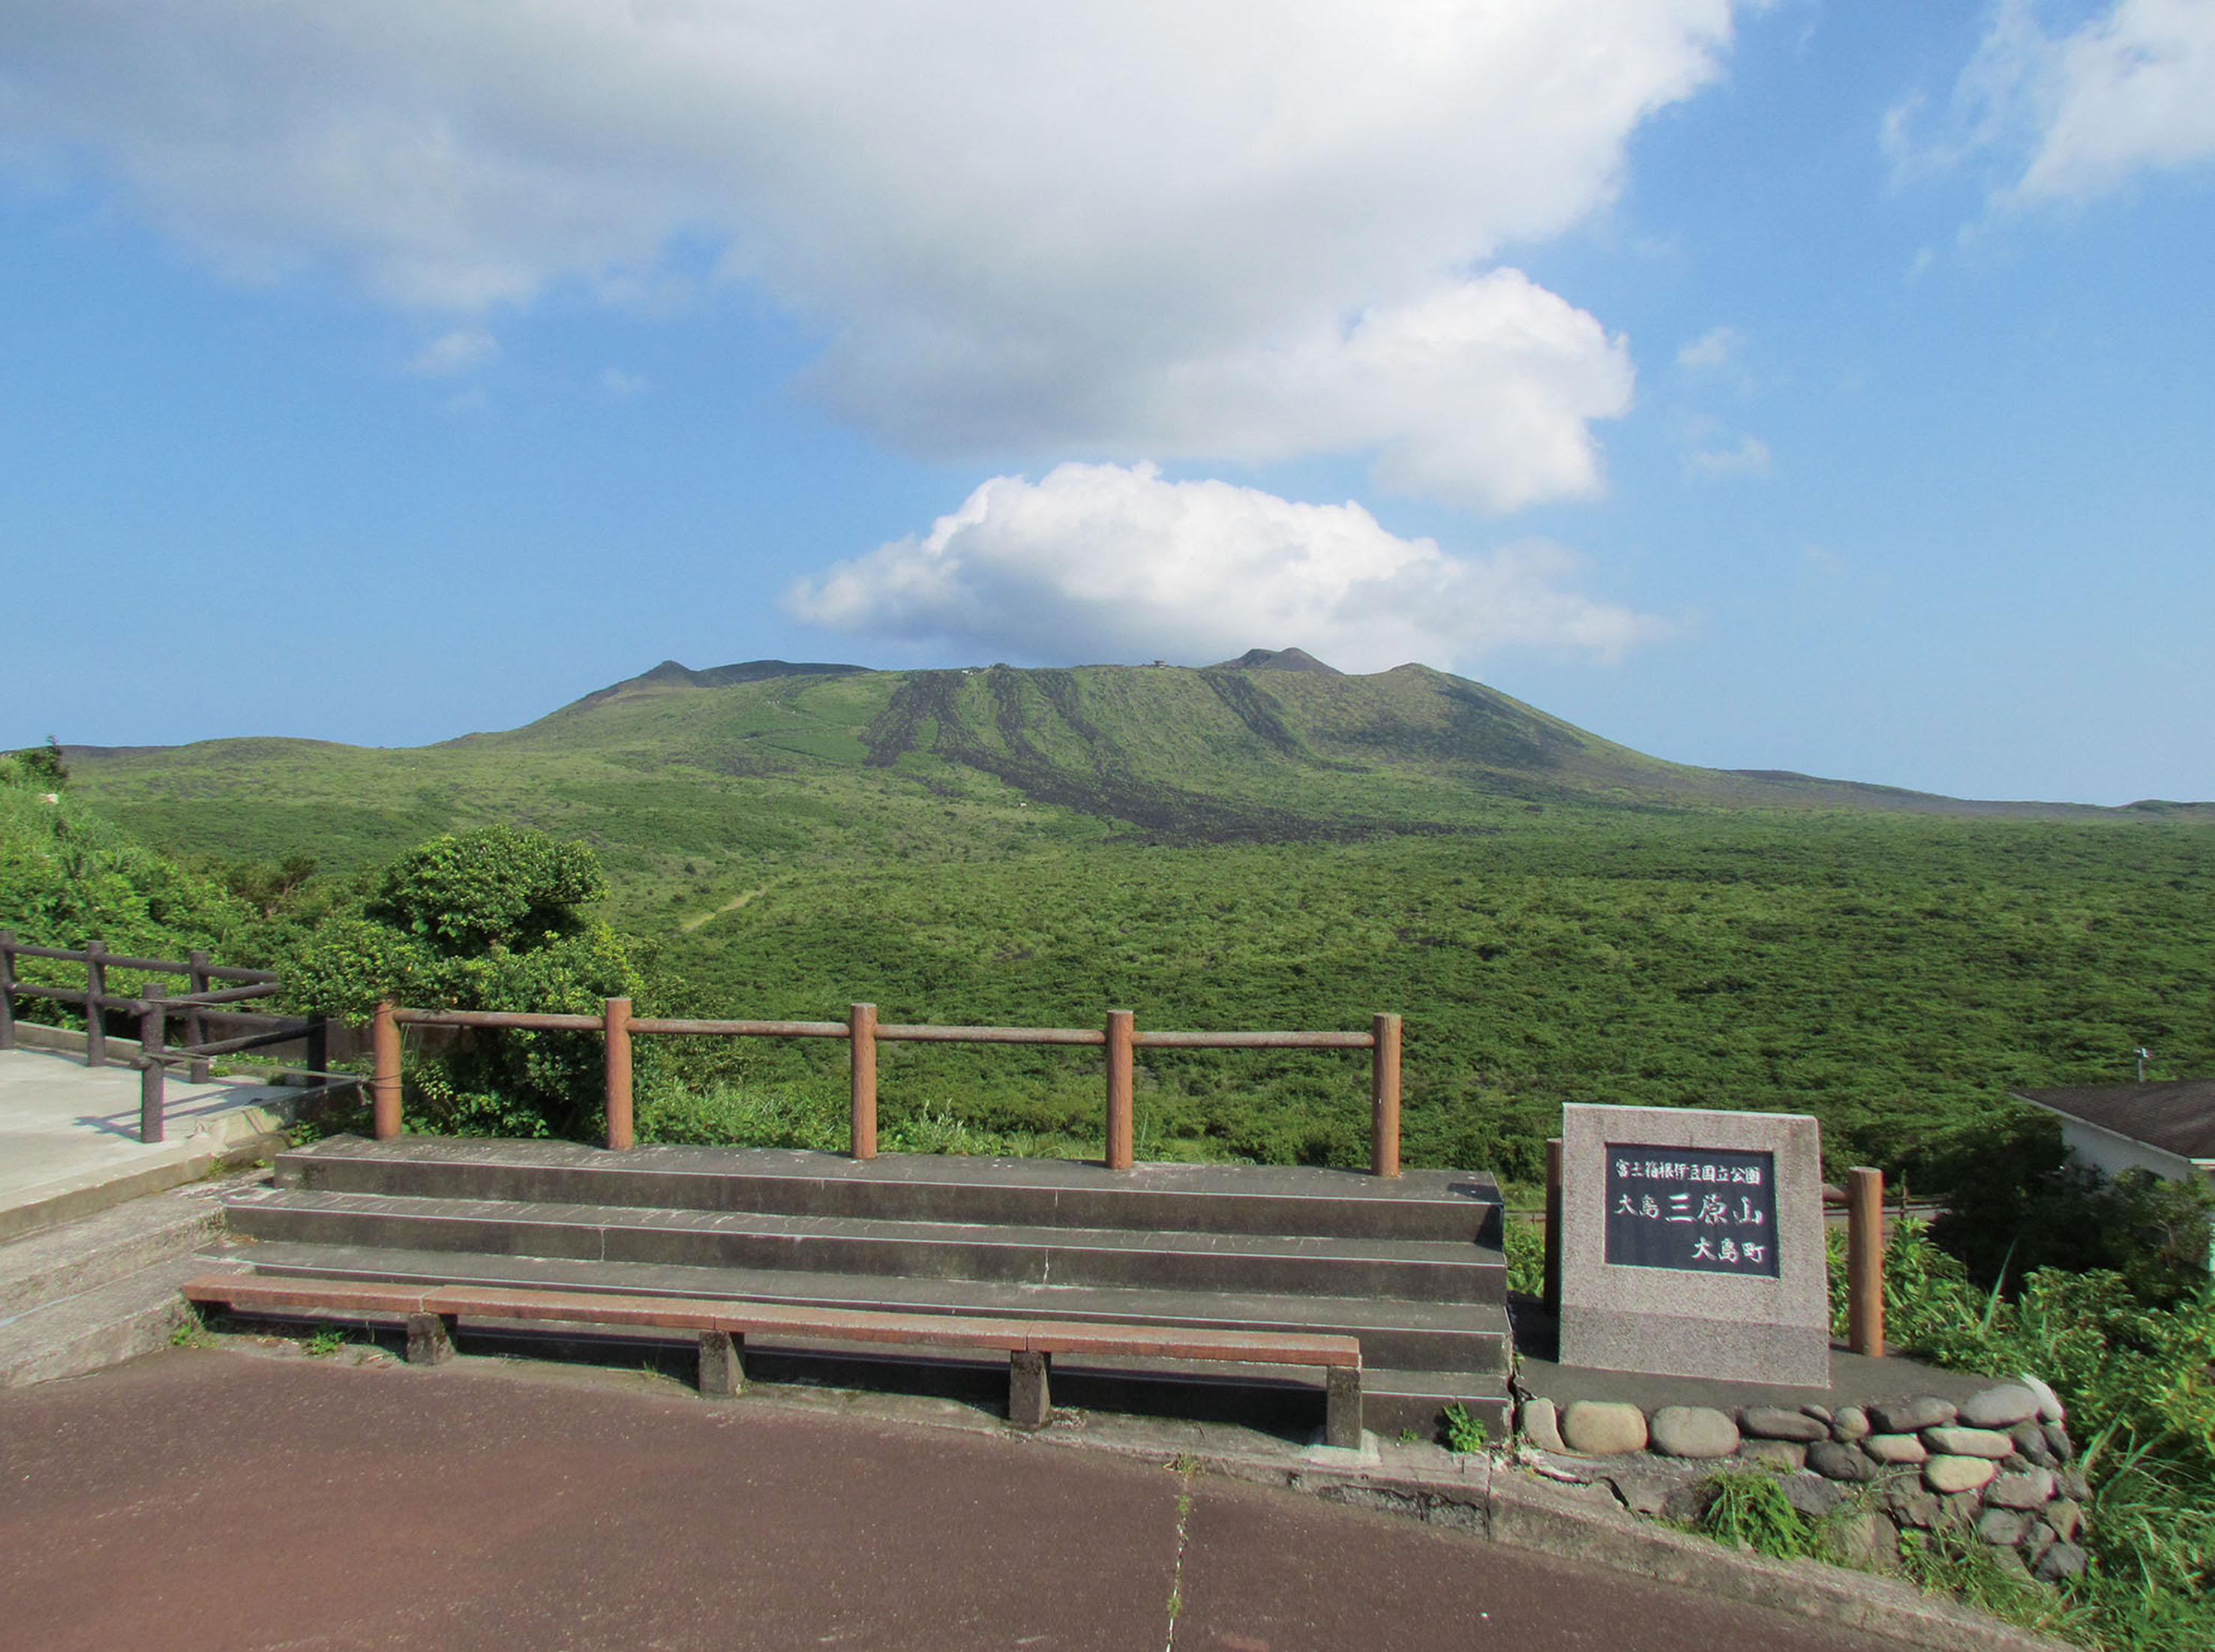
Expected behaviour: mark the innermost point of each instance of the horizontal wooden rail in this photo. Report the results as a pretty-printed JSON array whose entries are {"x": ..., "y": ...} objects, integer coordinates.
[
  {"x": 117, "y": 961},
  {"x": 1254, "y": 1040},
  {"x": 519, "y": 1020},
  {"x": 742, "y": 1029},
  {"x": 230, "y": 996},
  {"x": 886, "y": 1031},
  {"x": 863, "y": 1032},
  {"x": 898, "y": 1032},
  {"x": 137, "y": 1005}
]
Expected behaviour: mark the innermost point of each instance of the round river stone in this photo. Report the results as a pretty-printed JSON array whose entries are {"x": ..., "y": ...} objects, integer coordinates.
[
  {"x": 2062, "y": 1560},
  {"x": 2032, "y": 1489},
  {"x": 1947, "y": 1474},
  {"x": 1911, "y": 1416},
  {"x": 1786, "y": 1454},
  {"x": 1895, "y": 1448},
  {"x": 1775, "y": 1422},
  {"x": 1693, "y": 1431},
  {"x": 1836, "y": 1462},
  {"x": 2050, "y": 1408},
  {"x": 1540, "y": 1426},
  {"x": 1848, "y": 1423},
  {"x": 1603, "y": 1428},
  {"x": 1999, "y": 1408},
  {"x": 1969, "y": 1442}
]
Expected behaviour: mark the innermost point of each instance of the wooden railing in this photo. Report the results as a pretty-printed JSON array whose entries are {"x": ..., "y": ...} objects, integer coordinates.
[
  {"x": 863, "y": 1032},
  {"x": 155, "y": 1008}
]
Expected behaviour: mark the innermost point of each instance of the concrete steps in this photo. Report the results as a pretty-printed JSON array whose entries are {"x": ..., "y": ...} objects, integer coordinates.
[
  {"x": 1016, "y": 1253},
  {"x": 1410, "y": 1266},
  {"x": 91, "y": 1293},
  {"x": 1262, "y": 1199}
]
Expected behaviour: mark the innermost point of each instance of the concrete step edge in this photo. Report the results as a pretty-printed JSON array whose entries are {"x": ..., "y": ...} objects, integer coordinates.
[
  {"x": 258, "y": 1208},
  {"x": 117, "y": 1321},
  {"x": 1436, "y": 1204},
  {"x": 58, "y": 1271}
]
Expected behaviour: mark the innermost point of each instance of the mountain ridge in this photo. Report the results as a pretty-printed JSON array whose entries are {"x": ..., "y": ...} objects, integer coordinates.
[{"x": 1272, "y": 746}]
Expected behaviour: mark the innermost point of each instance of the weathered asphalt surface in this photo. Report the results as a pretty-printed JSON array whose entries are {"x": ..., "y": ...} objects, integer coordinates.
[{"x": 211, "y": 1499}]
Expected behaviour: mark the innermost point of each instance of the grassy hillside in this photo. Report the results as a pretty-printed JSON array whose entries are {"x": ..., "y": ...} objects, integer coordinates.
[{"x": 1559, "y": 917}]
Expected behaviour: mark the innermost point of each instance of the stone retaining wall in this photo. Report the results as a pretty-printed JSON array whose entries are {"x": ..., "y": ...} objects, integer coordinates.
[{"x": 1999, "y": 1464}]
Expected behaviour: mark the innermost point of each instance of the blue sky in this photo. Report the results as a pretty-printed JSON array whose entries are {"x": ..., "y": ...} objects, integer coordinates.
[{"x": 1803, "y": 386}]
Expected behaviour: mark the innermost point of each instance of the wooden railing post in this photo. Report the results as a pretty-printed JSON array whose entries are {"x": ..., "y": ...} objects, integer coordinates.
[
  {"x": 1122, "y": 1037},
  {"x": 1384, "y": 1097},
  {"x": 862, "y": 1037},
  {"x": 318, "y": 1059},
  {"x": 196, "y": 1022},
  {"x": 96, "y": 989},
  {"x": 384, "y": 1083},
  {"x": 1865, "y": 1262},
  {"x": 1553, "y": 1286},
  {"x": 615, "y": 1020},
  {"x": 153, "y": 1071},
  {"x": 7, "y": 981}
]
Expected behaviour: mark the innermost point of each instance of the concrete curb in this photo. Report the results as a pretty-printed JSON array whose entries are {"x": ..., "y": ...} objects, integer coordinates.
[
  {"x": 1506, "y": 1505},
  {"x": 1527, "y": 1513}
]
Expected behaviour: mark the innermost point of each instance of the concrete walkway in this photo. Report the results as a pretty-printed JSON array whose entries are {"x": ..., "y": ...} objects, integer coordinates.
[
  {"x": 219, "y": 1499},
  {"x": 69, "y": 1133}
]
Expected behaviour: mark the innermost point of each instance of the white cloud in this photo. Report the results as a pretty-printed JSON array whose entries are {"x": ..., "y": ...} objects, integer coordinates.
[
  {"x": 1108, "y": 562},
  {"x": 1234, "y": 227},
  {"x": 462, "y": 350},
  {"x": 2079, "y": 114},
  {"x": 1749, "y": 458},
  {"x": 621, "y": 383},
  {"x": 1717, "y": 347}
]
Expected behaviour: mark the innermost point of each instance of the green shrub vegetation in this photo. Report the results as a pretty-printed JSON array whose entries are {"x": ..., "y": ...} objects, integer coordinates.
[{"x": 2137, "y": 1378}]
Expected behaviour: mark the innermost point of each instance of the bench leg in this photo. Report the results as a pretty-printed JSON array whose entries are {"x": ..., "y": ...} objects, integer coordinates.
[
  {"x": 430, "y": 1338},
  {"x": 722, "y": 1364},
  {"x": 1342, "y": 1419},
  {"x": 1030, "y": 1403}
]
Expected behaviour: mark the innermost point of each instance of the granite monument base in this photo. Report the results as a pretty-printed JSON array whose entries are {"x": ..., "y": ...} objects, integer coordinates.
[
  {"x": 1610, "y": 1339},
  {"x": 1692, "y": 1244}
]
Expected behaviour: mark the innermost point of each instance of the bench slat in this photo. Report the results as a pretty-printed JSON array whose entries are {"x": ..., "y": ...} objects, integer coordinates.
[{"x": 768, "y": 1320}]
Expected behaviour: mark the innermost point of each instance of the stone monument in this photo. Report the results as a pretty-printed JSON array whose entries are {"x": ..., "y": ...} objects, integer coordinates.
[{"x": 1692, "y": 1244}]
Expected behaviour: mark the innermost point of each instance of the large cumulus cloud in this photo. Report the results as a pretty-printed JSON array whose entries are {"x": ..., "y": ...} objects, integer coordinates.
[
  {"x": 1169, "y": 227},
  {"x": 1109, "y": 562}
]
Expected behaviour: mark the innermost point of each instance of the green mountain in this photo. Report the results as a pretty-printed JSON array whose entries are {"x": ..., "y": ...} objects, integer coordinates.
[
  {"x": 1275, "y": 746},
  {"x": 1268, "y": 842}
]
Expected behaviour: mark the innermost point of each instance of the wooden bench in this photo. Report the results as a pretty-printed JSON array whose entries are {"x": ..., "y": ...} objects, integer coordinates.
[{"x": 723, "y": 1327}]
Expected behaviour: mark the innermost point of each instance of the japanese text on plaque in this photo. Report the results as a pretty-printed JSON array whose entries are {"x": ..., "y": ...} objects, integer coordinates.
[{"x": 1708, "y": 1210}]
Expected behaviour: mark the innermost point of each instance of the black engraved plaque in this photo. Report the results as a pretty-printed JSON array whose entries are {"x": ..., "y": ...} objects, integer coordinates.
[{"x": 1705, "y": 1209}]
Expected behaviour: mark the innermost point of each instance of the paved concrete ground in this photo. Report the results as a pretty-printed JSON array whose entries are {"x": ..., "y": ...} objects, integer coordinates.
[
  {"x": 211, "y": 1498},
  {"x": 66, "y": 1127}
]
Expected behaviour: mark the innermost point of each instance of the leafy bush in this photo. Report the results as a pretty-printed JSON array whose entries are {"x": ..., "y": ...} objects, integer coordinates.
[
  {"x": 2151, "y": 1230},
  {"x": 484, "y": 921},
  {"x": 465, "y": 894},
  {"x": 2139, "y": 1386},
  {"x": 68, "y": 876},
  {"x": 38, "y": 768}
]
